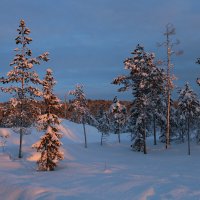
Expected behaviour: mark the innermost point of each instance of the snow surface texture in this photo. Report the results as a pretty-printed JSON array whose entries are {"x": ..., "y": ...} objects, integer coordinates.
[{"x": 110, "y": 172}]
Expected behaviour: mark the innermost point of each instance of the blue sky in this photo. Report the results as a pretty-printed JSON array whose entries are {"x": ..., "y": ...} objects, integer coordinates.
[{"x": 88, "y": 40}]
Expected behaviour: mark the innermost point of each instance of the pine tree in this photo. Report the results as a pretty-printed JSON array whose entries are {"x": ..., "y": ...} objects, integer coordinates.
[
  {"x": 157, "y": 92},
  {"x": 140, "y": 81},
  {"x": 118, "y": 117},
  {"x": 48, "y": 122},
  {"x": 103, "y": 126},
  {"x": 80, "y": 107},
  {"x": 189, "y": 108},
  {"x": 22, "y": 74}
]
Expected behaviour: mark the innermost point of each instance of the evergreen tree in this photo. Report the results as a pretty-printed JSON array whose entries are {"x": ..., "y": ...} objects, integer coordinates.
[
  {"x": 189, "y": 108},
  {"x": 118, "y": 117},
  {"x": 157, "y": 92},
  {"x": 24, "y": 92},
  {"x": 80, "y": 107},
  {"x": 141, "y": 81},
  {"x": 48, "y": 122},
  {"x": 103, "y": 126}
]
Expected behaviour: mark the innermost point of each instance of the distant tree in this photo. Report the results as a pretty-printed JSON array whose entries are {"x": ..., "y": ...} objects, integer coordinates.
[
  {"x": 80, "y": 107},
  {"x": 118, "y": 117},
  {"x": 25, "y": 91},
  {"x": 48, "y": 122},
  {"x": 103, "y": 126},
  {"x": 189, "y": 108},
  {"x": 140, "y": 81}
]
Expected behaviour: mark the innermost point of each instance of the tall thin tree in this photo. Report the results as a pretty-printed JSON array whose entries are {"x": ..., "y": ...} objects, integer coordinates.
[
  {"x": 25, "y": 79},
  {"x": 79, "y": 104},
  {"x": 169, "y": 44}
]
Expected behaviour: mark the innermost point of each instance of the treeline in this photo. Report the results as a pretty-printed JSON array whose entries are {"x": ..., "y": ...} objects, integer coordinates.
[{"x": 64, "y": 111}]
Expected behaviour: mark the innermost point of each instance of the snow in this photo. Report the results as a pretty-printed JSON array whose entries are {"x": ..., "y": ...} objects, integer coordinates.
[{"x": 111, "y": 171}]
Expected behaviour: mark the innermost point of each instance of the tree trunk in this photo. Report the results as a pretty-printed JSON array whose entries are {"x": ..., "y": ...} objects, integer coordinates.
[
  {"x": 118, "y": 132},
  {"x": 85, "y": 136},
  {"x": 168, "y": 90},
  {"x": 188, "y": 134},
  {"x": 101, "y": 139},
  {"x": 20, "y": 143},
  {"x": 144, "y": 139},
  {"x": 154, "y": 130}
]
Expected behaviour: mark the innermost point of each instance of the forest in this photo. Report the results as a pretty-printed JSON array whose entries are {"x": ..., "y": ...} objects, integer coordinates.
[{"x": 152, "y": 112}]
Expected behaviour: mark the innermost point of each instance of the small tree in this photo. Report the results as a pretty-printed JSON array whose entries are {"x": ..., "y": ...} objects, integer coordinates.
[
  {"x": 118, "y": 117},
  {"x": 25, "y": 78},
  {"x": 79, "y": 104},
  {"x": 189, "y": 108},
  {"x": 48, "y": 122},
  {"x": 103, "y": 126}
]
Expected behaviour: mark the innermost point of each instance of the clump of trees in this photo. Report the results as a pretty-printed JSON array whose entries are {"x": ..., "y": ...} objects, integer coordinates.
[
  {"x": 146, "y": 82},
  {"x": 22, "y": 110}
]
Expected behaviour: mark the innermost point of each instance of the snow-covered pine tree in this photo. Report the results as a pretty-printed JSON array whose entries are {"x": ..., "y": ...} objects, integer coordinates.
[
  {"x": 139, "y": 80},
  {"x": 25, "y": 79},
  {"x": 80, "y": 107},
  {"x": 118, "y": 117},
  {"x": 48, "y": 122},
  {"x": 157, "y": 78},
  {"x": 189, "y": 108}
]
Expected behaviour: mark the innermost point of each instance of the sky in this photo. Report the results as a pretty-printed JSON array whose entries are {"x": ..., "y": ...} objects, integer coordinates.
[{"x": 88, "y": 40}]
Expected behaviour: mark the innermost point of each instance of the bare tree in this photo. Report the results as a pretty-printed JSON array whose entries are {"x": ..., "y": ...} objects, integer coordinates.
[{"x": 169, "y": 44}]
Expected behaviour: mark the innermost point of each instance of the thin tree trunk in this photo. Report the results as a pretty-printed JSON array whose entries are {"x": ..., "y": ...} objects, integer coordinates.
[
  {"x": 188, "y": 134},
  {"x": 20, "y": 143},
  {"x": 154, "y": 130},
  {"x": 144, "y": 138},
  {"x": 85, "y": 135},
  {"x": 101, "y": 139},
  {"x": 118, "y": 132},
  {"x": 168, "y": 121},
  {"x": 168, "y": 91},
  {"x": 22, "y": 102}
]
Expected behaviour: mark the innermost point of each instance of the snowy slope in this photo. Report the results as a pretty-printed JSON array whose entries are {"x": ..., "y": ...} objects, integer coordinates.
[{"x": 111, "y": 171}]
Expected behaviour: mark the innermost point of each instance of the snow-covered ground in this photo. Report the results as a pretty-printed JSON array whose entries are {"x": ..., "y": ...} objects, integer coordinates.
[{"x": 110, "y": 172}]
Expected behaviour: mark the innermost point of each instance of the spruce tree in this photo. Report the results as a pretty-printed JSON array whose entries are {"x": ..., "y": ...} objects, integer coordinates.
[
  {"x": 103, "y": 126},
  {"x": 189, "y": 108},
  {"x": 118, "y": 117},
  {"x": 48, "y": 122},
  {"x": 22, "y": 80}
]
